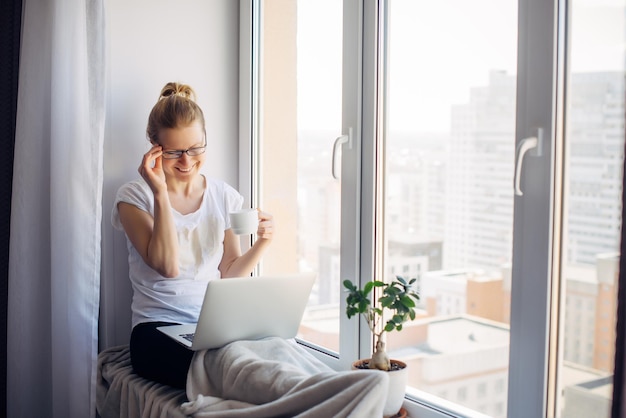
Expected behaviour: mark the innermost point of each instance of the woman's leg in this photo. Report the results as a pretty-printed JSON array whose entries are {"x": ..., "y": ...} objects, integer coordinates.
[{"x": 157, "y": 357}]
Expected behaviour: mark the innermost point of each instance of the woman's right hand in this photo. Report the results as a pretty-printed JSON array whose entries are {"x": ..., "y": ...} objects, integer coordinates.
[{"x": 151, "y": 169}]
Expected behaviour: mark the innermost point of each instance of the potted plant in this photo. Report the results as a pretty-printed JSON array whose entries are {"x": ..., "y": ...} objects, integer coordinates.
[{"x": 395, "y": 300}]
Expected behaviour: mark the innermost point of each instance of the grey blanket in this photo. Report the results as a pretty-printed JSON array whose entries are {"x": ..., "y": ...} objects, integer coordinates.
[
  {"x": 245, "y": 379},
  {"x": 277, "y": 378},
  {"x": 120, "y": 393}
]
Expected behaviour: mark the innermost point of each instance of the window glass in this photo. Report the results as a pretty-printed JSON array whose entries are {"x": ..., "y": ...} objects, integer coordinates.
[
  {"x": 449, "y": 160},
  {"x": 594, "y": 143},
  {"x": 449, "y": 145},
  {"x": 301, "y": 109}
]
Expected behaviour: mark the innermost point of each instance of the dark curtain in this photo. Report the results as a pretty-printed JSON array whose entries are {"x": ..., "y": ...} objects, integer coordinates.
[
  {"x": 619, "y": 408},
  {"x": 10, "y": 27}
]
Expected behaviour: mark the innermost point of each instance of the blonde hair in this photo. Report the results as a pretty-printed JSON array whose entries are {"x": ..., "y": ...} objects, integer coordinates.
[{"x": 175, "y": 108}]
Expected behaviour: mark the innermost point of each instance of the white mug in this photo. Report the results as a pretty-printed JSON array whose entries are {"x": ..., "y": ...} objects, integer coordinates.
[{"x": 244, "y": 222}]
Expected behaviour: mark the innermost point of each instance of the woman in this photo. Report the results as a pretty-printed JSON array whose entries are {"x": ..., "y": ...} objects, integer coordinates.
[{"x": 178, "y": 234}]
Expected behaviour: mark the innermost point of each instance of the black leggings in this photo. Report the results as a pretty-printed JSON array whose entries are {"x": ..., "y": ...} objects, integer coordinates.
[{"x": 157, "y": 357}]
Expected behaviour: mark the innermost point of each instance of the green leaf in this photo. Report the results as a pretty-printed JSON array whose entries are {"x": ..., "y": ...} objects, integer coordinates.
[
  {"x": 407, "y": 301},
  {"x": 385, "y": 301},
  {"x": 396, "y": 296},
  {"x": 392, "y": 291},
  {"x": 348, "y": 285},
  {"x": 363, "y": 305},
  {"x": 398, "y": 319}
]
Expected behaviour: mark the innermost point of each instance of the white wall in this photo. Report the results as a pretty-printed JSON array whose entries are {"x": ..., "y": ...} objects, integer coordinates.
[{"x": 150, "y": 43}]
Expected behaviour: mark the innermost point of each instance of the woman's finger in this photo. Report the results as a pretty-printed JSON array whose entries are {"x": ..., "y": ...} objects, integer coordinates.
[
  {"x": 264, "y": 216},
  {"x": 266, "y": 225}
]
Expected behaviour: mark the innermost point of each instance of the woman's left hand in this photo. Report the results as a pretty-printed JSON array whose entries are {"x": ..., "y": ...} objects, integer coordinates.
[{"x": 266, "y": 226}]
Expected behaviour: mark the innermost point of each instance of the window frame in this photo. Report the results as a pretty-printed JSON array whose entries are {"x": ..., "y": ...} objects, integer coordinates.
[
  {"x": 535, "y": 294},
  {"x": 534, "y": 299}
]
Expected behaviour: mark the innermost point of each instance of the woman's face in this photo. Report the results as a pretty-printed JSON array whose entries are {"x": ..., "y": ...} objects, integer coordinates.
[{"x": 188, "y": 140}]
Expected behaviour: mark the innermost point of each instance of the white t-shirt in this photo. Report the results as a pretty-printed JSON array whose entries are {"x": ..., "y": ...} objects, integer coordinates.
[{"x": 201, "y": 246}]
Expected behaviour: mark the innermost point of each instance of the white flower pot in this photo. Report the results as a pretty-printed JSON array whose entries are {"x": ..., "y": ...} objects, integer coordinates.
[{"x": 397, "y": 386}]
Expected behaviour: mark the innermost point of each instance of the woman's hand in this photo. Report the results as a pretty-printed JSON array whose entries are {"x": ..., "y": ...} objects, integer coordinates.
[
  {"x": 151, "y": 169},
  {"x": 235, "y": 264},
  {"x": 265, "y": 230}
]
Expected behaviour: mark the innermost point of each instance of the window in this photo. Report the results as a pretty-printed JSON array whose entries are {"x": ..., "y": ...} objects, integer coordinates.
[
  {"x": 593, "y": 153},
  {"x": 461, "y": 394},
  {"x": 449, "y": 153},
  {"x": 387, "y": 142},
  {"x": 300, "y": 66},
  {"x": 482, "y": 391},
  {"x": 499, "y": 386}
]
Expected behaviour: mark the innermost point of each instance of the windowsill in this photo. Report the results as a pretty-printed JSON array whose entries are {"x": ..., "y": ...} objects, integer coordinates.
[{"x": 425, "y": 405}]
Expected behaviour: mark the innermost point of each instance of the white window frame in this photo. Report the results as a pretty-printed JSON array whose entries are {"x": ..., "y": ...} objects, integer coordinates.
[{"x": 534, "y": 298}]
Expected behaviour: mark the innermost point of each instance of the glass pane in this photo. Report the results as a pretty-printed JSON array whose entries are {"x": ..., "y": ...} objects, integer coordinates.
[
  {"x": 449, "y": 160},
  {"x": 301, "y": 117},
  {"x": 594, "y": 143}
]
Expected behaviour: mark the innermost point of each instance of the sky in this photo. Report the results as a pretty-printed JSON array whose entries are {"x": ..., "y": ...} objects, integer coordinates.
[{"x": 439, "y": 50}]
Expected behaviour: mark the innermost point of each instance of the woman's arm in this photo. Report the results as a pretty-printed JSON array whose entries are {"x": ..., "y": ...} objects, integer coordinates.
[
  {"x": 155, "y": 239},
  {"x": 234, "y": 264}
]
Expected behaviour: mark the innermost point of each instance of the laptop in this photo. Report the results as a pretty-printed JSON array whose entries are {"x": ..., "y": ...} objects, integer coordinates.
[{"x": 246, "y": 308}]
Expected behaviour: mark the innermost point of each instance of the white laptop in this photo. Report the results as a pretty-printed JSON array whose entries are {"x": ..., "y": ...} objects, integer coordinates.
[{"x": 246, "y": 308}]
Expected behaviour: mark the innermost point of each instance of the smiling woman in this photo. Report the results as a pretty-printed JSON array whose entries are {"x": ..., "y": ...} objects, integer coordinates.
[
  {"x": 178, "y": 233},
  {"x": 147, "y": 48}
]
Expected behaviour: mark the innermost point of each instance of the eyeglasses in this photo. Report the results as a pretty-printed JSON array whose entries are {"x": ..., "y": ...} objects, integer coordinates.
[{"x": 192, "y": 152}]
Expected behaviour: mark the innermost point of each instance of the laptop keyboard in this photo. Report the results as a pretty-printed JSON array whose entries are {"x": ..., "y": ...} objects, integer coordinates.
[{"x": 188, "y": 337}]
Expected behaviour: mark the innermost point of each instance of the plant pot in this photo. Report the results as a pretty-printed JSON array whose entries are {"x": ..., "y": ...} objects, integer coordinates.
[{"x": 397, "y": 385}]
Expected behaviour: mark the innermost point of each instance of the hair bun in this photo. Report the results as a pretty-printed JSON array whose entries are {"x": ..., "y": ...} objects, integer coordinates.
[{"x": 177, "y": 89}]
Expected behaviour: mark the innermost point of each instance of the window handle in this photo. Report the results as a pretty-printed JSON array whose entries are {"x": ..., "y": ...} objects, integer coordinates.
[
  {"x": 523, "y": 147},
  {"x": 343, "y": 139}
]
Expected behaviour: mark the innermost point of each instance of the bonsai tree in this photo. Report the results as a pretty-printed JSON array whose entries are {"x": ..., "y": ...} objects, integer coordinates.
[{"x": 396, "y": 297}]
